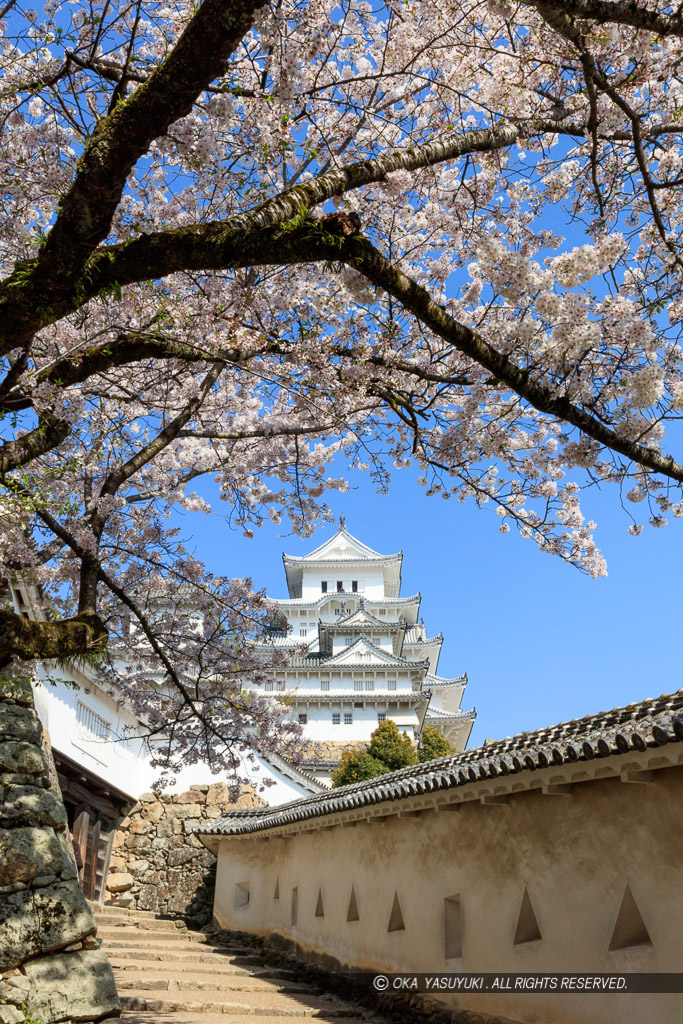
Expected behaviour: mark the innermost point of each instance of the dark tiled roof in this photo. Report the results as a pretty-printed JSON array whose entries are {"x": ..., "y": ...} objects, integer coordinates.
[
  {"x": 336, "y": 661},
  {"x": 367, "y": 619},
  {"x": 651, "y": 723},
  {"x": 296, "y": 602},
  {"x": 439, "y": 715},
  {"x": 416, "y": 642},
  {"x": 440, "y": 682},
  {"x": 299, "y": 770},
  {"x": 346, "y": 696}
]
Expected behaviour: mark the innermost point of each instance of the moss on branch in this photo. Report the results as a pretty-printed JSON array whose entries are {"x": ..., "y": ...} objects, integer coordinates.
[{"x": 28, "y": 640}]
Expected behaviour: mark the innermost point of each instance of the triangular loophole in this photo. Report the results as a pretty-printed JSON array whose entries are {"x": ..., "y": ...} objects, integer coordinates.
[
  {"x": 527, "y": 925},
  {"x": 396, "y": 920},
  {"x": 319, "y": 909},
  {"x": 630, "y": 928},
  {"x": 352, "y": 913},
  {"x": 276, "y": 895}
]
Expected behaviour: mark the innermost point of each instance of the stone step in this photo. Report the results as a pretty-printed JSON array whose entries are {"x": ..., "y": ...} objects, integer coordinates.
[
  {"x": 123, "y": 942},
  {"x": 208, "y": 955},
  {"x": 158, "y": 968},
  {"x": 134, "y": 968},
  {"x": 149, "y": 1017},
  {"x": 154, "y": 924},
  {"x": 275, "y": 1006},
  {"x": 159, "y": 939},
  {"x": 104, "y": 909},
  {"x": 192, "y": 983}
]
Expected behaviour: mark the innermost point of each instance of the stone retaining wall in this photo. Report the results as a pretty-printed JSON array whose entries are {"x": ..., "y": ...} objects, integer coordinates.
[
  {"x": 50, "y": 964},
  {"x": 157, "y": 864}
]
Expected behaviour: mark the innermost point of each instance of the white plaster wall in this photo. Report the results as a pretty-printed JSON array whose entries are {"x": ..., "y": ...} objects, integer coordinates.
[
  {"x": 320, "y": 728},
  {"x": 450, "y": 698},
  {"x": 340, "y": 679},
  {"x": 575, "y": 854},
  {"x": 122, "y": 763},
  {"x": 280, "y": 788},
  {"x": 343, "y": 640},
  {"x": 125, "y": 764},
  {"x": 370, "y": 582}
]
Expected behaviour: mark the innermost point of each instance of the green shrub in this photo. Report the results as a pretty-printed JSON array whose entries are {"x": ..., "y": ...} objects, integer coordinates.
[
  {"x": 433, "y": 744},
  {"x": 392, "y": 748},
  {"x": 356, "y": 765}
]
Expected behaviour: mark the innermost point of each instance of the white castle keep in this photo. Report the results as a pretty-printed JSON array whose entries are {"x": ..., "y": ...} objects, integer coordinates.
[{"x": 359, "y": 652}]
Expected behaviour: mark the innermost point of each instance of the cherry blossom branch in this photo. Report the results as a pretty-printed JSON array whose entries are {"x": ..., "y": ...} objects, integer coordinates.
[
  {"x": 127, "y": 348},
  {"x": 360, "y": 254},
  {"x": 122, "y": 473},
  {"x": 49, "y": 434},
  {"x": 564, "y": 25},
  {"x": 118, "y": 142},
  {"x": 113, "y": 72},
  {"x": 29, "y": 639},
  {"x": 605, "y": 12},
  {"x": 242, "y": 240}
]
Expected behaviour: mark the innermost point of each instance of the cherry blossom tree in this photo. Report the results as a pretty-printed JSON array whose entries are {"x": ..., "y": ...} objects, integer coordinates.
[{"x": 243, "y": 241}]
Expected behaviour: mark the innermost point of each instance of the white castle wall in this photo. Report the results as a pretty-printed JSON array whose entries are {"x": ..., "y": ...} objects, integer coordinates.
[
  {"x": 320, "y": 728},
  {"x": 370, "y": 584},
  {"x": 125, "y": 763}
]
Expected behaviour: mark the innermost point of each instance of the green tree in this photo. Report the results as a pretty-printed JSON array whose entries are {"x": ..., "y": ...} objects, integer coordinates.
[
  {"x": 433, "y": 744},
  {"x": 392, "y": 748},
  {"x": 355, "y": 766}
]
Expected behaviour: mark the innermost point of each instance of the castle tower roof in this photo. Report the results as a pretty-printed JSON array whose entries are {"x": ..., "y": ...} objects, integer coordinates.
[{"x": 346, "y": 551}]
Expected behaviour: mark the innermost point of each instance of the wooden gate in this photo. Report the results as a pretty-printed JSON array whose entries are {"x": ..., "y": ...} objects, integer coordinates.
[
  {"x": 94, "y": 808},
  {"x": 94, "y": 843}
]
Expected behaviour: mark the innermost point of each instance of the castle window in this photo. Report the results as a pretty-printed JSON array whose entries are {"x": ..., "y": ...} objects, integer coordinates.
[
  {"x": 336, "y": 718},
  {"x": 391, "y": 685},
  {"x": 91, "y": 725},
  {"x": 303, "y": 718},
  {"x": 354, "y": 586},
  {"x": 303, "y": 631},
  {"x": 270, "y": 685},
  {"x": 358, "y": 684},
  {"x": 324, "y": 684},
  {"x": 369, "y": 684},
  {"x": 340, "y": 586},
  {"x": 280, "y": 686},
  {"x": 323, "y": 586},
  {"x": 381, "y": 716},
  {"x": 348, "y": 718},
  {"x": 383, "y": 611}
]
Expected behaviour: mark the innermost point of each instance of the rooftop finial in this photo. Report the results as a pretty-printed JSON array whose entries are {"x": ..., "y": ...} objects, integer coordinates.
[{"x": 342, "y": 522}]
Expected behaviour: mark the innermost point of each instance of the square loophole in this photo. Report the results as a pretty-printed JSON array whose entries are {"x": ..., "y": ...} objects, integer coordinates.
[{"x": 241, "y": 895}]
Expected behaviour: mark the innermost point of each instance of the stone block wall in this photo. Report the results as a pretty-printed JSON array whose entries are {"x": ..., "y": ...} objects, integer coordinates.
[
  {"x": 51, "y": 968},
  {"x": 158, "y": 864}
]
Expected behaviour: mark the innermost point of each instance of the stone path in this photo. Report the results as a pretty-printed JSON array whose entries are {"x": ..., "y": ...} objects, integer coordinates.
[{"x": 166, "y": 974}]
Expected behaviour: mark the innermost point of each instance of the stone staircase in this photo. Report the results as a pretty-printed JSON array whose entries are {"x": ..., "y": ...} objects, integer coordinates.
[{"x": 166, "y": 974}]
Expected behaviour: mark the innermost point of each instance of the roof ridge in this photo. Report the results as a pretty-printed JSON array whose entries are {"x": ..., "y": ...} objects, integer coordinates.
[{"x": 652, "y": 722}]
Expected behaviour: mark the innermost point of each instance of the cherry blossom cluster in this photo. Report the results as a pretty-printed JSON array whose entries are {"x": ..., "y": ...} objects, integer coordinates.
[{"x": 530, "y": 191}]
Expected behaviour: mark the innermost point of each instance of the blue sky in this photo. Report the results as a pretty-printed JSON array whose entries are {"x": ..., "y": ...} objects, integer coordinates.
[{"x": 540, "y": 642}]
